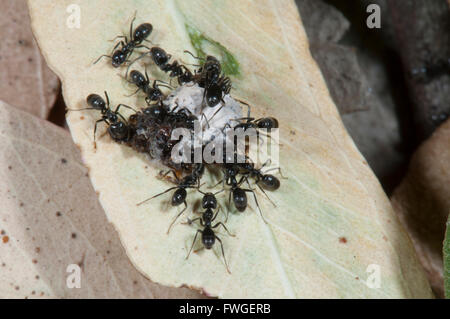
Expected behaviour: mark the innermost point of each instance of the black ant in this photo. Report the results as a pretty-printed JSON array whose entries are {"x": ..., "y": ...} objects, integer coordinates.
[
  {"x": 263, "y": 180},
  {"x": 231, "y": 171},
  {"x": 267, "y": 123},
  {"x": 139, "y": 35},
  {"x": 209, "y": 78},
  {"x": 153, "y": 93},
  {"x": 118, "y": 129},
  {"x": 180, "y": 194},
  {"x": 209, "y": 203},
  {"x": 161, "y": 59}
]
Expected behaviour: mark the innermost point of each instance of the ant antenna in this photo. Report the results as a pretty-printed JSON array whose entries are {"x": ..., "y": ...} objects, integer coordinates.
[{"x": 166, "y": 191}]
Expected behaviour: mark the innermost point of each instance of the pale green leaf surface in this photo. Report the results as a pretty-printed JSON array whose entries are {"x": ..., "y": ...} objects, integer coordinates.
[{"x": 332, "y": 218}]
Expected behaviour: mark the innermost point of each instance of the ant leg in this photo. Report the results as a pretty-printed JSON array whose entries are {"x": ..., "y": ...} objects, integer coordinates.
[
  {"x": 86, "y": 108},
  {"x": 217, "y": 184},
  {"x": 167, "y": 190},
  {"x": 221, "y": 224},
  {"x": 195, "y": 57},
  {"x": 256, "y": 200},
  {"x": 119, "y": 37},
  {"x": 146, "y": 75},
  {"x": 193, "y": 242},
  {"x": 279, "y": 171},
  {"x": 215, "y": 215},
  {"x": 126, "y": 106},
  {"x": 131, "y": 25},
  {"x": 267, "y": 196},
  {"x": 206, "y": 119},
  {"x": 220, "y": 108},
  {"x": 133, "y": 93},
  {"x": 248, "y": 105},
  {"x": 156, "y": 86},
  {"x": 107, "y": 98},
  {"x": 249, "y": 119},
  {"x": 104, "y": 55},
  {"x": 142, "y": 46},
  {"x": 223, "y": 253},
  {"x": 132, "y": 62},
  {"x": 179, "y": 214},
  {"x": 148, "y": 41},
  {"x": 95, "y": 129},
  {"x": 118, "y": 43},
  {"x": 194, "y": 220}
]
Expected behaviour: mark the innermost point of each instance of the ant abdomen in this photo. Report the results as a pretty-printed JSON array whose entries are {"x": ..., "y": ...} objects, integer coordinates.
[
  {"x": 179, "y": 196},
  {"x": 159, "y": 56},
  {"x": 240, "y": 199},
  {"x": 208, "y": 238},
  {"x": 268, "y": 123},
  {"x": 269, "y": 182},
  {"x": 138, "y": 79},
  {"x": 96, "y": 101},
  {"x": 142, "y": 32}
]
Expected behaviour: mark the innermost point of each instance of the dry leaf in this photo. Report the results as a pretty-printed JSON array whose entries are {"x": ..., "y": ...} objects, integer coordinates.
[
  {"x": 422, "y": 201},
  {"x": 332, "y": 218},
  {"x": 25, "y": 79},
  {"x": 51, "y": 218}
]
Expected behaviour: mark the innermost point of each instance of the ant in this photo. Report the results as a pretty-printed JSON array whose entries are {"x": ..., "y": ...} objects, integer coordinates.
[
  {"x": 209, "y": 78},
  {"x": 153, "y": 93},
  {"x": 209, "y": 203},
  {"x": 161, "y": 59},
  {"x": 231, "y": 171},
  {"x": 119, "y": 130},
  {"x": 180, "y": 194},
  {"x": 267, "y": 123},
  {"x": 139, "y": 35},
  {"x": 263, "y": 180}
]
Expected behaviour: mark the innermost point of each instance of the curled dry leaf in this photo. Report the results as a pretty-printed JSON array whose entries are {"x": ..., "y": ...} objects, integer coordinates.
[
  {"x": 447, "y": 260},
  {"x": 51, "y": 218},
  {"x": 25, "y": 79},
  {"x": 422, "y": 202},
  {"x": 332, "y": 218}
]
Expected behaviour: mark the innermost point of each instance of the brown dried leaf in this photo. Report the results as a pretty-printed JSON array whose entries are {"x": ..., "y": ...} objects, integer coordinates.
[
  {"x": 51, "y": 218},
  {"x": 25, "y": 79},
  {"x": 422, "y": 202}
]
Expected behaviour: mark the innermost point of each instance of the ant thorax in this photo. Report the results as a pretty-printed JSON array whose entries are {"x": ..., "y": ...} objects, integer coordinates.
[{"x": 214, "y": 121}]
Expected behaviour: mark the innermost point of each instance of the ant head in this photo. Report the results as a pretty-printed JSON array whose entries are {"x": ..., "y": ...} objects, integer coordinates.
[
  {"x": 96, "y": 102},
  {"x": 118, "y": 58},
  {"x": 159, "y": 56},
  {"x": 137, "y": 78},
  {"x": 209, "y": 201},
  {"x": 142, "y": 32}
]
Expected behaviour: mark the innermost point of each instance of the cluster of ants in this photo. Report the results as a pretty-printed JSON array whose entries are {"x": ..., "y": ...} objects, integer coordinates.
[{"x": 149, "y": 130}]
